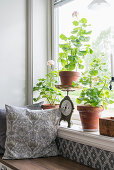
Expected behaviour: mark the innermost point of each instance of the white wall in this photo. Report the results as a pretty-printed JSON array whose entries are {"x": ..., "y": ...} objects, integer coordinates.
[
  {"x": 13, "y": 48},
  {"x": 41, "y": 37},
  {"x": 13, "y": 52}
]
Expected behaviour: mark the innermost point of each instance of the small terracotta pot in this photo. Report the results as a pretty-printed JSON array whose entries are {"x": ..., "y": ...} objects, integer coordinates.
[
  {"x": 89, "y": 117},
  {"x": 48, "y": 106},
  {"x": 67, "y": 77}
]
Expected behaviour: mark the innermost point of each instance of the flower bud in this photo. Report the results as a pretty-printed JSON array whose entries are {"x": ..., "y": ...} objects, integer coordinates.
[
  {"x": 50, "y": 63},
  {"x": 75, "y": 14}
]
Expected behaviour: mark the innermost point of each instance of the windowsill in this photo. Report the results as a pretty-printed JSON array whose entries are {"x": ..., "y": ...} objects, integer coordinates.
[{"x": 76, "y": 134}]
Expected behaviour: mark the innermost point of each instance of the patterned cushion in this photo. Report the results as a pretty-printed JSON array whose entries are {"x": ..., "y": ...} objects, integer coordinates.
[
  {"x": 30, "y": 133},
  {"x": 36, "y": 106}
]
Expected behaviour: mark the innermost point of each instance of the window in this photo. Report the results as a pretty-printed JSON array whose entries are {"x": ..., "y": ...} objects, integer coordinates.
[{"x": 99, "y": 15}]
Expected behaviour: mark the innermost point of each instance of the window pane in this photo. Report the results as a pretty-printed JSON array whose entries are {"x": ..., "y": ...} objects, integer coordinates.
[{"x": 99, "y": 15}]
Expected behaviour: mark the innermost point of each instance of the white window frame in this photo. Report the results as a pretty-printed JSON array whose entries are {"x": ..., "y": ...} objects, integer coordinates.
[
  {"x": 29, "y": 28},
  {"x": 29, "y": 42},
  {"x": 61, "y": 2}
]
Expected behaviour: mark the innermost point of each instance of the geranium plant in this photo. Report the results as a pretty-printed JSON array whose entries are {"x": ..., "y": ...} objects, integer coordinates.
[
  {"x": 75, "y": 46},
  {"x": 46, "y": 87},
  {"x": 95, "y": 84}
]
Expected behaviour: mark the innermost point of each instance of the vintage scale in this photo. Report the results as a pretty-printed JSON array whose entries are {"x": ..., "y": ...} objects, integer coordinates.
[{"x": 66, "y": 103}]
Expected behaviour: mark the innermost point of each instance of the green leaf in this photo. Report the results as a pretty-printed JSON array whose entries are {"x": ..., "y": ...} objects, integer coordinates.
[
  {"x": 107, "y": 94},
  {"x": 80, "y": 61},
  {"x": 82, "y": 38},
  {"x": 83, "y": 52},
  {"x": 78, "y": 100},
  {"x": 72, "y": 66},
  {"x": 93, "y": 72},
  {"x": 87, "y": 39},
  {"x": 84, "y": 81},
  {"x": 76, "y": 23},
  {"x": 72, "y": 59},
  {"x": 35, "y": 88},
  {"x": 90, "y": 51},
  {"x": 75, "y": 30},
  {"x": 111, "y": 101},
  {"x": 81, "y": 66},
  {"x": 88, "y": 32},
  {"x": 83, "y": 20},
  {"x": 72, "y": 37},
  {"x": 73, "y": 84},
  {"x": 65, "y": 47},
  {"x": 35, "y": 99},
  {"x": 63, "y": 37}
]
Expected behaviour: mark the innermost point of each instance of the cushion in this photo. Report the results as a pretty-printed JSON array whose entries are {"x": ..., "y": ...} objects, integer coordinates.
[
  {"x": 2, "y": 129},
  {"x": 1, "y": 150},
  {"x": 36, "y": 106},
  {"x": 30, "y": 133}
]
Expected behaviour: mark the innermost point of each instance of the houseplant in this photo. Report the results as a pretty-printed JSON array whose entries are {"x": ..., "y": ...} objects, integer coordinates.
[
  {"x": 95, "y": 95},
  {"x": 73, "y": 50},
  {"x": 46, "y": 89}
]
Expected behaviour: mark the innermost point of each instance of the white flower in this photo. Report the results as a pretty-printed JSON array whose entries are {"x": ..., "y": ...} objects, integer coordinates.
[
  {"x": 75, "y": 14},
  {"x": 50, "y": 63}
]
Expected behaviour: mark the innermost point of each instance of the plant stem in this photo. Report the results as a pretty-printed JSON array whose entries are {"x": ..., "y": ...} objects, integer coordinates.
[
  {"x": 90, "y": 83},
  {"x": 75, "y": 56},
  {"x": 47, "y": 97},
  {"x": 103, "y": 86}
]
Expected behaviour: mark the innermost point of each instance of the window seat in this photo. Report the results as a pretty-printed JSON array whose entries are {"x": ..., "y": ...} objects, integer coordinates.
[
  {"x": 76, "y": 134},
  {"x": 51, "y": 163},
  {"x": 87, "y": 148},
  {"x": 90, "y": 149}
]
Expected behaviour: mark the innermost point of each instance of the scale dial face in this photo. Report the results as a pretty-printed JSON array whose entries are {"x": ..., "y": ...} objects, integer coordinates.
[{"x": 66, "y": 106}]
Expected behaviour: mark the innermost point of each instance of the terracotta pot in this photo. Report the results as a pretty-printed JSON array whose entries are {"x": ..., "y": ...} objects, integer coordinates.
[
  {"x": 67, "y": 77},
  {"x": 89, "y": 117},
  {"x": 48, "y": 106}
]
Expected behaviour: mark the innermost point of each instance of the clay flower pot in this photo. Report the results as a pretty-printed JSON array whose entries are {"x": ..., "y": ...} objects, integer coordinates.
[
  {"x": 67, "y": 77},
  {"x": 48, "y": 106},
  {"x": 89, "y": 117}
]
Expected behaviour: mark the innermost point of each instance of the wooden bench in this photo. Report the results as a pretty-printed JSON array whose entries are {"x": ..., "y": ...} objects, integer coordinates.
[{"x": 51, "y": 163}]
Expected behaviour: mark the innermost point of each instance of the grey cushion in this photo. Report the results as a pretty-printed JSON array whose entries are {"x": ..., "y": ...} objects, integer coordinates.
[
  {"x": 1, "y": 150},
  {"x": 2, "y": 129},
  {"x": 36, "y": 106},
  {"x": 30, "y": 133}
]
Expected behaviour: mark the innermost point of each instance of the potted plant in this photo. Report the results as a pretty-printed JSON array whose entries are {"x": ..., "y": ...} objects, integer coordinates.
[
  {"x": 46, "y": 89},
  {"x": 95, "y": 95},
  {"x": 73, "y": 50}
]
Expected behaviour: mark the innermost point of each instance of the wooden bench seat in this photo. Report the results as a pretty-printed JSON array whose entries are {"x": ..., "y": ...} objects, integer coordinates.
[{"x": 51, "y": 163}]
